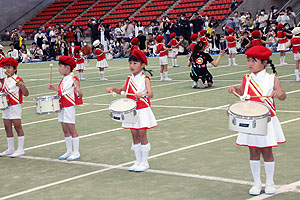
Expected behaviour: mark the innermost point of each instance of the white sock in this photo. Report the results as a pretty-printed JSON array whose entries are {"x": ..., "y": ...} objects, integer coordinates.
[
  {"x": 255, "y": 169},
  {"x": 68, "y": 141},
  {"x": 101, "y": 75},
  {"x": 166, "y": 75},
  {"x": 21, "y": 143},
  {"x": 175, "y": 60},
  {"x": 233, "y": 60},
  {"x": 137, "y": 151},
  {"x": 195, "y": 83},
  {"x": 11, "y": 143},
  {"x": 281, "y": 59},
  {"x": 75, "y": 145},
  {"x": 162, "y": 76},
  {"x": 297, "y": 74},
  {"x": 229, "y": 61},
  {"x": 80, "y": 75},
  {"x": 269, "y": 169},
  {"x": 145, "y": 152}
]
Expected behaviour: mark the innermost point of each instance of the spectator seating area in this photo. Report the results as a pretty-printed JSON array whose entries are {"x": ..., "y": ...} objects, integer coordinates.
[{"x": 78, "y": 12}]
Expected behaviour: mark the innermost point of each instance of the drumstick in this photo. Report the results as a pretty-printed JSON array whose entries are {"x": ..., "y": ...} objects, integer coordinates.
[
  {"x": 51, "y": 65},
  {"x": 260, "y": 96},
  {"x": 6, "y": 72},
  {"x": 236, "y": 94},
  {"x": 123, "y": 93}
]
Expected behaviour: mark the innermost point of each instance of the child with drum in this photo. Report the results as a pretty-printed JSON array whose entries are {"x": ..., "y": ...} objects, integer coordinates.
[
  {"x": 101, "y": 59},
  {"x": 199, "y": 59},
  {"x": 260, "y": 83},
  {"x": 138, "y": 87},
  {"x": 70, "y": 95},
  {"x": 162, "y": 50},
  {"x": 79, "y": 58},
  {"x": 14, "y": 88}
]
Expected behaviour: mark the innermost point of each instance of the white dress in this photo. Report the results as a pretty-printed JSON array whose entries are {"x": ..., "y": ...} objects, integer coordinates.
[{"x": 275, "y": 134}]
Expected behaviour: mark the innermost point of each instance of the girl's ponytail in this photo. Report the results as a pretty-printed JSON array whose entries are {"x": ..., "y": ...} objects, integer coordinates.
[
  {"x": 272, "y": 66},
  {"x": 149, "y": 71}
]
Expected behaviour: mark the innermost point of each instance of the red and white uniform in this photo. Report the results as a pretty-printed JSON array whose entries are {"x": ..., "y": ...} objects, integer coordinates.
[
  {"x": 174, "y": 46},
  {"x": 256, "y": 42},
  {"x": 231, "y": 44},
  {"x": 79, "y": 61},
  {"x": 68, "y": 99},
  {"x": 101, "y": 59},
  {"x": 2, "y": 75},
  {"x": 163, "y": 54},
  {"x": 71, "y": 51},
  {"x": 146, "y": 118},
  {"x": 262, "y": 84},
  {"x": 192, "y": 45},
  {"x": 14, "y": 98},
  {"x": 204, "y": 39},
  {"x": 295, "y": 41},
  {"x": 282, "y": 41}
]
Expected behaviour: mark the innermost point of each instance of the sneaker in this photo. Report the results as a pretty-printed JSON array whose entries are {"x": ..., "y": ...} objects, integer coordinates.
[
  {"x": 234, "y": 64},
  {"x": 255, "y": 190},
  {"x": 65, "y": 156},
  {"x": 73, "y": 157},
  {"x": 168, "y": 79},
  {"x": 195, "y": 87},
  {"x": 201, "y": 84},
  {"x": 7, "y": 153},
  {"x": 133, "y": 167},
  {"x": 103, "y": 79},
  {"x": 162, "y": 79},
  {"x": 270, "y": 188},
  {"x": 285, "y": 63},
  {"x": 17, "y": 153},
  {"x": 141, "y": 167}
]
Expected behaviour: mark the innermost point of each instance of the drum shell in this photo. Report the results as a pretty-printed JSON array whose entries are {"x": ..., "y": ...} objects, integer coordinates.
[
  {"x": 3, "y": 101},
  {"x": 47, "y": 105},
  {"x": 129, "y": 116}
]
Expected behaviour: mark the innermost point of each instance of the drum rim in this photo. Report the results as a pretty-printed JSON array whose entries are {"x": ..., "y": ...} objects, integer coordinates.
[
  {"x": 248, "y": 117},
  {"x": 46, "y": 98},
  {"x": 134, "y": 108},
  {"x": 47, "y": 113}
]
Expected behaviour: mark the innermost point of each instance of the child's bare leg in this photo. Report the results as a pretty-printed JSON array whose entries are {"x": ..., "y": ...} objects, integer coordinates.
[{"x": 8, "y": 127}]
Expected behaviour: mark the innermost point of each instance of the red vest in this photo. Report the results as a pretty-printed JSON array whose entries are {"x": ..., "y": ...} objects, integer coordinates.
[
  {"x": 162, "y": 52},
  {"x": 174, "y": 44},
  {"x": 13, "y": 97},
  {"x": 78, "y": 58},
  {"x": 71, "y": 51},
  {"x": 204, "y": 39},
  {"x": 192, "y": 45},
  {"x": 296, "y": 44},
  {"x": 281, "y": 37},
  {"x": 231, "y": 41},
  {"x": 141, "y": 102},
  {"x": 135, "y": 47},
  {"x": 256, "y": 42},
  {"x": 100, "y": 56},
  {"x": 67, "y": 99}
]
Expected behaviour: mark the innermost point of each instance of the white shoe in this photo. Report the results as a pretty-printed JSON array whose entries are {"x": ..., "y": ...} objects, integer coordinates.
[
  {"x": 255, "y": 190},
  {"x": 141, "y": 167},
  {"x": 17, "y": 153},
  {"x": 7, "y": 153},
  {"x": 162, "y": 79},
  {"x": 74, "y": 156},
  {"x": 133, "y": 167},
  {"x": 234, "y": 64},
  {"x": 285, "y": 63},
  {"x": 65, "y": 156},
  {"x": 168, "y": 79},
  {"x": 270, "y": 188},
  {"x": 103, "y": 79}
]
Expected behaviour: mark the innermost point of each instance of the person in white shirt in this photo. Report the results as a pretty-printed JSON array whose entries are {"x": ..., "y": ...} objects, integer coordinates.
[{"x": 13, "y": 52}]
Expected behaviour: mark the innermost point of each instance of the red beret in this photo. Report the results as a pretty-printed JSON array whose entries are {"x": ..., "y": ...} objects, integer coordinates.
[
  {"x": 255, "y": 34},
  {"x": 203, "y": 32},
  {"x": 77, "y": 49},
  {"x": 159, "y": 38},
  {"x": 173, "y": 35},
  {"x": 134, "y": 41},
  {"x": 194, "y": 37},
  {"x": 140, "y": 55},
  {"x": 68, "y": 60},
  {"x": 9, "y": 61},
  {"x": 259, "y": 52},
  {"x": 230, "y": 30},
  {"x": 226, "y": 27},
  {"x": 279, "y": 27}
]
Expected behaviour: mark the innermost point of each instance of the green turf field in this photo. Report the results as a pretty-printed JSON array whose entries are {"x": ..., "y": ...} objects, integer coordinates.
[{"x": 193, "y": 155}]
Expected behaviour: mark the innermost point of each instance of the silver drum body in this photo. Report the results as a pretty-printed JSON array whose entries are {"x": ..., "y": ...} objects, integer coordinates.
[
  {"x": 123, "y": 110},
  {"x": 249, "y": 117},
  {"x": 47, "y": 105}
]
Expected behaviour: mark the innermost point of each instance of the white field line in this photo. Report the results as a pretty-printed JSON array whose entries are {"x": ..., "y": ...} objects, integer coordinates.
[{"x": 127, "y": 163}]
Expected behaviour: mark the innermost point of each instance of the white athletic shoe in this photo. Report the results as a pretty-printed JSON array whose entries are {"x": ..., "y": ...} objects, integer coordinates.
[
  {"x": 255, "y": 190},
  {"x": 141, "y": 167},
  {"x": 234, "y": 64},
  {"x": 162, "y": 79},
  {"x": 168, "y": 79},
  {"x": 7, "y": 153},
  {"x": 65, "y": 156},
  {"x": 17, "y": 153},
  {"x": 270, "y": 188},
  {"x": 133, "y": 167},
  {"x": 103, "y": 79},
  {"x": 74, "y": 156}
]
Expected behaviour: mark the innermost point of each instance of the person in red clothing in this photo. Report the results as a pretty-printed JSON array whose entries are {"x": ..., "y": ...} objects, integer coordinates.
[
  {"x": 71, "y": 49},
  {"x": 175, "y": 47},
  {"x": 70, "y": 36},
  {"x": 79, "y": 58},
  {"x": 162, "y": 50},
  {"x": 203, "y": 38},
  {"x": 194, "y": 39},
  {"x": 282, "y": 43},
  {"x": 101, "y": 59},
  {"x": 15, "y": 88},
  {"x": 295, "y": 41},
  {"x": 231, "y": 41},
  {"x": 70, "y": 95},
  {"x": 2, "y": 56},
  {"x": 256, "y": 40},
  {"x": 139, "y": 85},
  {"x": 134, "y": 44}
]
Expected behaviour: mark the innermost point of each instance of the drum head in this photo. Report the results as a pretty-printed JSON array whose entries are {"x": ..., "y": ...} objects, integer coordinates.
[
  {"x": 248, "y": 108},
  {"x": 121, "y": 105}
]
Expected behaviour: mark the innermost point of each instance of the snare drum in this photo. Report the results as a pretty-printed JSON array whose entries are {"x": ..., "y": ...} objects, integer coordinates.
[
  {"x": 47, "y": 105},
  {"x": 123, "y": 110},
  {"x": 249, "y": 117},
  {"x": 3, "y": 101}
]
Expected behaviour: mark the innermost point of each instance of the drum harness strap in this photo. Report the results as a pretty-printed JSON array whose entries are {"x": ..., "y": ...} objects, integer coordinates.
[{"x": 138, "y": 87}]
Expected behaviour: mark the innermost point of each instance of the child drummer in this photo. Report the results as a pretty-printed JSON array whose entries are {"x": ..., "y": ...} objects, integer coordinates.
[
  {"x": 15, "y": 88},
  {"x": 139, "y": 84},
  {"x": 260, "y": 83},
  {"x": 71, "y": 95}
]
